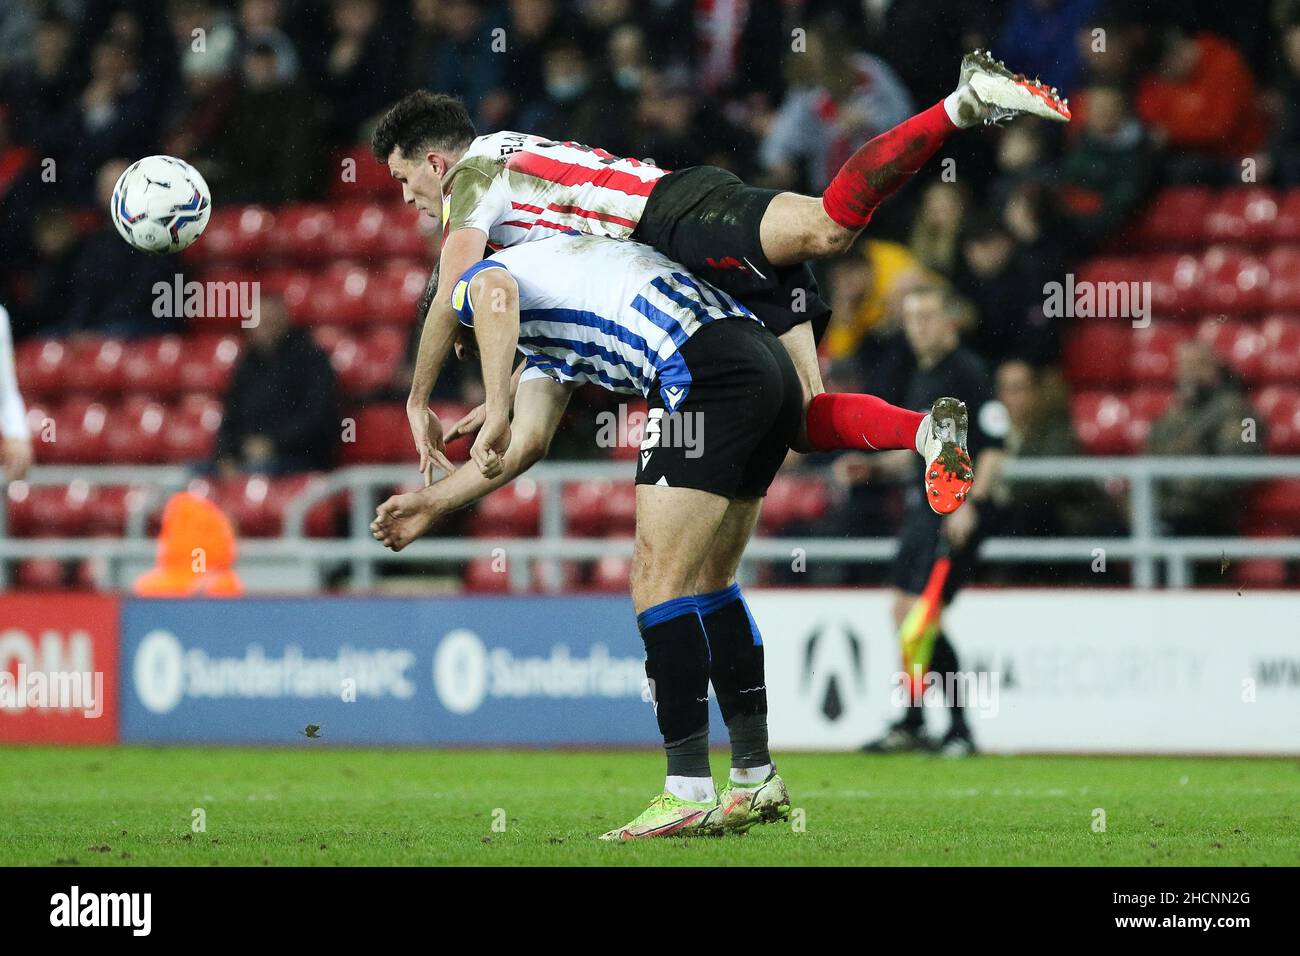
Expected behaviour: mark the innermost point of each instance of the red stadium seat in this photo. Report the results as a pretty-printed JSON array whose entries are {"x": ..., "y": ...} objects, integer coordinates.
[
  {"x": 1279, "y": 407},
  {"x": 1176, "y": 217},
  {"x": 1286, "y": 228},
  {"x": 408, "y": 232},
  {"x": 1284, "y": 287},
  {"x": 1175, "y": 283},
  {"x": 1240, "y": 345},
  {"x": 793, "y": 499},
  {"x": 302, "y": 232},
  {"x": 77, "y": 434},
  {"x": 611, "y": 574},
  {"x": 1274, "y": 508},
  {"x": 134, "y": 435},
  {"x": 235, "y": 233},
  {"x": 510, "y": 512},
  {"x": 41, "y": 574},
  {"x": 483, "y": 577},
  {"x": 191, "y": 433},
  {"x": 1235, "y": 281},
  {"x": 599, "y": 508},
  {"x": 369, "y": 177},
  {"x": 153, "y": 365},
  {"x": 257, "y": 504},
  {"x": 1097, "y": 351},
  {"x": 42, "y": 365},
  {"x": 1145, "y": 406},
  {"x": 1281, "y": 359},
  {"x": 359, "y": 229},
  {"x": 1103, "y": 422},
  {"x": 208, "y": 361},
  {"x": 1153, "y": 352},
  {"x": 380, "y": 434},
  {"x": 95, "y": 366},
  {"x": 1245, "y": 214}
]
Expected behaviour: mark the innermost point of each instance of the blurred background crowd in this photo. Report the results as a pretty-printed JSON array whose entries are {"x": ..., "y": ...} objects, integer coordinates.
[{"x": 779, "y": 91}]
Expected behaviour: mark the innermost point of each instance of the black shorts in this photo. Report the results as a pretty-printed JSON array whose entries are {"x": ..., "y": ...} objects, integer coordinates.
[
  {"x": 742, "y": 409},
  {"x": 708, "y": 220},
  {"x": 918, "y": 548}
]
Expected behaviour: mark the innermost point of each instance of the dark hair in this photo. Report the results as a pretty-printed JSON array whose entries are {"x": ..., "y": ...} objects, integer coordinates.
[{"x": 421, "y": 120}]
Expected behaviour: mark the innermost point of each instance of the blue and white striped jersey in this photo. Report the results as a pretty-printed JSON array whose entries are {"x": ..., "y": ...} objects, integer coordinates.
[{"x": 609, "y": 311}]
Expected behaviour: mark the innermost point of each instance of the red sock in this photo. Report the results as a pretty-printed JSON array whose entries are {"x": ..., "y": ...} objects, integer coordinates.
[
  {"x": 884, "y": 164},
  {"x": 841, "y": 421}
]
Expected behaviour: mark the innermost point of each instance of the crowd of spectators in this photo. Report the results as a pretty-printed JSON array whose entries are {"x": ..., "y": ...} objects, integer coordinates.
[{"x": 262, "y": 94}]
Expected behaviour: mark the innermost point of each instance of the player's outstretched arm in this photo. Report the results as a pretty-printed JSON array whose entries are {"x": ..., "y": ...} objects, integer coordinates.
[
  {"x": 495, "y": 295},
  {"x": 462, "y": 249},
  {"x": 540, "y": 405}
]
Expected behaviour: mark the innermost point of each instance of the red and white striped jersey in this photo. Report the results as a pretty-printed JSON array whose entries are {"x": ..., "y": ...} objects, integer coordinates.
[{"x": 517, "y": 187}]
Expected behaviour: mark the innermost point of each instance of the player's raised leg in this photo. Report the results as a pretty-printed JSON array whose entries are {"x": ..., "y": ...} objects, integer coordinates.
[
  {"x": 796, "y": 228},
  {"x": 754, "y": 791},
  {"x": 674, "y": 530}
]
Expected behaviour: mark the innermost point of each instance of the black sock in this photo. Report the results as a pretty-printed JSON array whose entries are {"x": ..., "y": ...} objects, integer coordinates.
[
  {"x": 944, "y": 662},
  {"x": 736, "y": 669},
  {"x": 677, "y": 665}
]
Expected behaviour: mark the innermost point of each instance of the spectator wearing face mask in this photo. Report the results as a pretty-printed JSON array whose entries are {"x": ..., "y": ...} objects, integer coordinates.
[{"x": 577, "y": 106}]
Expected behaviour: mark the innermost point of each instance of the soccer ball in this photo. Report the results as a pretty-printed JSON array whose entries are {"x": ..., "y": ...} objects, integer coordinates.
[{"x": 161, "y": 204}]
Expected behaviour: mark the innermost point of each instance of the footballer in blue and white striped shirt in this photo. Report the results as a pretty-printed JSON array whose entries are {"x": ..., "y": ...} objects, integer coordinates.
[{"x": 621, "y": 315}]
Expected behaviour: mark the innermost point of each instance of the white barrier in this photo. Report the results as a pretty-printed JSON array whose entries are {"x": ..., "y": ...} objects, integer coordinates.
[{"x": 1053, "y": 671}]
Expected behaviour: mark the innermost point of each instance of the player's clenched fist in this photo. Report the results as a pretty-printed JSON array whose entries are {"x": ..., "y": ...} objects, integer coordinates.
[{"x": 490, "y": 446}]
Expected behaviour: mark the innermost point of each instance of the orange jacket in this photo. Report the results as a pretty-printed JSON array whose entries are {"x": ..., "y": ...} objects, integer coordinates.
[{"x": 196, "y": 552}]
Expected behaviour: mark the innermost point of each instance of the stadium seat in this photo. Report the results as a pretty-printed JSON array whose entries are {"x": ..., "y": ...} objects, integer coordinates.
[
  {"x": 257, "y": 504},
  {"x": 41, "y": 365},
  {"x": 77, "y": 434},
  {"x": 302, "y": 232},
  {"x": 1280, "y": 361},
  {"x": 191, "y": 432},
  {"x": 408, "y": 232},
  {"x": 1273, "y": 508},
  {"x": 1145, "y": 406},
  {"x": 1234, "y": 281},
  {"x": 1152, "y": 356},
  {"x": 95, "y": 365},
  {"x": 41, "y": 574},
  {"x": 1286, "y": 227},
  {"x": 1284, "y": 286},
  {"x": 1238, "y": 344},
  {"x": 610, "y": 574},
  {"x": 237, "y": 233},
  {"x": 1103, "y": 422},
  {"x": 369, "y": 178},
  {"x": 510, "y": 512},
  {"x": 599, "y": 508},
  {"x": 1245, "y": 214},
  {"x": 793, "y": 499},
  {"x": 153, "y": 365},
  {"x": 380, "y": 434},
  {"x": 1175, "y": 218},
  {"x": 482, "y": 577},
  {"x": 1176, "y": 282},
  {"x": 359, "y": 229},
  {"x": 1097, "y": 352},
  {"x": 134, "y": 433},
  {"x": 207, "y": 362},
  {"x": 1279, "y": 407}
]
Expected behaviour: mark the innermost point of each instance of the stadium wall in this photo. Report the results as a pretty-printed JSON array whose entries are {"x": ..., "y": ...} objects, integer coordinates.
[{"x": 1046, "y": 671}]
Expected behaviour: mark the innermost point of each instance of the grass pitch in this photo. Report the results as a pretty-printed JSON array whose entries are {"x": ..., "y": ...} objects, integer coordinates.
[{"x": 319, "y": 806}]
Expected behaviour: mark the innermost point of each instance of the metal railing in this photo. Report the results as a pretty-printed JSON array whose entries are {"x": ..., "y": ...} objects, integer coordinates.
[{"x": 1144, "y": 547}]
